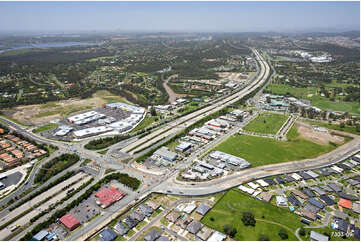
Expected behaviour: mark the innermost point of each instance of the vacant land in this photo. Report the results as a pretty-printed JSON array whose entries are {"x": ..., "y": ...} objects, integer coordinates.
[
  {"x": 269, "y": 219},
  {"x": 262, "y": 151},
  {"x": 42, "y": 113},
  {"x": 266, "y": 123},
  {"x": 323, "y": 138},
  {"x": 334, "y": 126}
]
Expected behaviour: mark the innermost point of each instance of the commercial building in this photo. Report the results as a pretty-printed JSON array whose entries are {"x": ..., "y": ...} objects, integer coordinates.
[
  {"x": 40, "y": 235},
  {"x": 125, "y": 107},
  {"x": 63, "y": 130},
  {"x": 69, "y": 222},
  {"x": 183, "y": 146},
  {"x": 91, "y": 131},
  {"x": 229, "y": 159},
  {"x": 281, "y": 201},
  {"x": 166, "y": 154},
  {"x": 107, "y": 197}
]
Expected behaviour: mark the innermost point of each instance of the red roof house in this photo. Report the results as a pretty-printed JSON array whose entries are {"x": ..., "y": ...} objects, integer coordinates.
[
  {"x": 345, "y": 203},
  {"x": 107, "y": 197},
  {"x": 69, "y": 221}
]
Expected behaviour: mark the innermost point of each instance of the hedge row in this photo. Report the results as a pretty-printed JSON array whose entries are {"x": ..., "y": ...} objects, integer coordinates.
[
  {"x": 105, "y": 142},
  {"x": 55, "y": 166}
]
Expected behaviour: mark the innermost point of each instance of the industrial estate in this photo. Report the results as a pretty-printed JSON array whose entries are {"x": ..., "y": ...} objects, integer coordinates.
[{"x": 180, "y": 136}]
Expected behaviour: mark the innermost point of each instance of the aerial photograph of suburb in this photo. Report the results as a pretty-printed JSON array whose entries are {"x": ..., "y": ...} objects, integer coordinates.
[{"x": 179, "y": 120}]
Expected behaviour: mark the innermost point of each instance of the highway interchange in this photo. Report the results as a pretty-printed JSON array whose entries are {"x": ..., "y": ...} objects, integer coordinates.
[{"x": 167, "y": 184}]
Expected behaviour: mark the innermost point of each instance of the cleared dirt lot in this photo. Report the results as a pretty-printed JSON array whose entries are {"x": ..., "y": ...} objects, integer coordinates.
[
  {"x": 43, "y": 113},
  {"x": 323, "y": 138}
]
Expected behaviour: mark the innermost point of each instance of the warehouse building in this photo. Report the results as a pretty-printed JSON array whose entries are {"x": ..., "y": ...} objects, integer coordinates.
[
  {"x": 183, "y": 146},
  {"x": 166, "y": 154},
  {"x": 229, "y": 159}
]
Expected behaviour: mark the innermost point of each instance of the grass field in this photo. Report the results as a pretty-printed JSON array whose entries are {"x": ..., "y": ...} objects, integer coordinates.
[
  {"x": 348, "y": 129},
  {"x": 146, "y": 122},
  {"x": 229, "y": 210},
  {"x": 316, "y": 100},
  {"x": 263, "y": 151},
  {"x": 266, "y": 123},
  {"x": 45, "y": 127}
]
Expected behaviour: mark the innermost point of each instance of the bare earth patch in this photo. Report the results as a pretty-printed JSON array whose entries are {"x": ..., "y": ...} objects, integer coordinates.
[
  {"x": 43, "y": 113},
  {"x": 308, "y": 132}
]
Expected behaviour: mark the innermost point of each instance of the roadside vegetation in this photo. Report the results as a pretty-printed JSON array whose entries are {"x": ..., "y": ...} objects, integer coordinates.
[
  {"x": 55, "y": 166},
  {"x": 243, "y": 218},
  {"x": 45, "y": 127},
  {"x": 102, "y": 143}
]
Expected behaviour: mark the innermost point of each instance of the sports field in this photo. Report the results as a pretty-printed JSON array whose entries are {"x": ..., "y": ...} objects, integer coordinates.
[
  {"x": 263, "y": 151},
  {"x": 266, "y": 123},
  {"x": 269, "y": 219}
]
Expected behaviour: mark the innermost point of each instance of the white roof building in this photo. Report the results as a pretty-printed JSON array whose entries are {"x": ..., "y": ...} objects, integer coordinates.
[
  {"x": 254, "y": 186},
  {"x": 189, "y": 208},
  {"x": 296, "y": 176},
  {"x": 246, "y": 189},
  {"x": 281, "y": 201},
  {"x": 262, "y": 183},
  {"x": 92, "y": 131},
  {"x": 217, "y": 236}
]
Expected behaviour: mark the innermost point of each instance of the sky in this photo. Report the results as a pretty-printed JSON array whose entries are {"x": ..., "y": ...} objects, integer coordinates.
[{"x": 180, "y": 16}]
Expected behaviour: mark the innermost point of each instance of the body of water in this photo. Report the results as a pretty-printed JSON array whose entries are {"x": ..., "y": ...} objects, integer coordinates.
[{"x": 50, "y": 45}]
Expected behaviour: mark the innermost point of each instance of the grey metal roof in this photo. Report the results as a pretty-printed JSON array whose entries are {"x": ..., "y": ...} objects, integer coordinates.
[
  {"x": 327, "y": 200},
  {"x": 335, "y": 187},
  {"x": 318, "y": 190},
  {"x": 316, "y": 203},
  {"x": 194, "y": 227},
  {"x": 108, "y": 235},
  {"x": 318, "y": 237},
  {"x": 312, "y": 208},
  {"x": 40, "y": 235},
  {"x": 203, "y": 209},
  {"x": 121, "y": 229},
  {"x": 152, "y": 235}
]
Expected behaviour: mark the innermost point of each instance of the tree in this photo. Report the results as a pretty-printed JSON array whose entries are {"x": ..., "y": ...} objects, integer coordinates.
[
  {"x": 302, "y": 231},
  {"x": 229, "y": 230},
  {"x": 342, "y": 125},
  {"x": 248, "y": 219},
  {"x": 283, "y": 234},
  {"x": 263, "y": 237},
  {"x": 153, "y": 112}
]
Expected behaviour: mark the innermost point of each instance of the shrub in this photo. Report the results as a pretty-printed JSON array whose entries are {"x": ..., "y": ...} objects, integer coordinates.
[
  {"x": 283, "y": 234},
  {"x": 248, "y": 219}
]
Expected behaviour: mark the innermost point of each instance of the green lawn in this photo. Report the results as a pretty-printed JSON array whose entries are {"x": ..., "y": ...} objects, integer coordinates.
[
  {"x": 266, "y": 123},
  {"x": 229, "y": 210},
  {"x": 316, "y": 100},
  {"x": 45, "y": 127},
  {"x": 348, "y": 129},
  {"x": 262, "y": 151}
]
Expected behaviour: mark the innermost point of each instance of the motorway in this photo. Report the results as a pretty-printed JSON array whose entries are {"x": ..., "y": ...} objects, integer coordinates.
[
  {"x": 185, "y": 121},
  {"x": 168, "y": 184}
]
